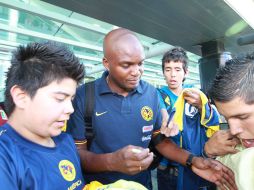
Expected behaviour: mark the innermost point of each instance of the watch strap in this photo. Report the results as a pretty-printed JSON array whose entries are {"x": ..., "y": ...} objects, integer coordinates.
[{"x": 189, "y": 160}]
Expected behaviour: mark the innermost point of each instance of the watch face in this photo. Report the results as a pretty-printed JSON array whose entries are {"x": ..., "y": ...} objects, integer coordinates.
[
  {"x": 188, "y": 164},
  {"x": 189, "y": 160}
]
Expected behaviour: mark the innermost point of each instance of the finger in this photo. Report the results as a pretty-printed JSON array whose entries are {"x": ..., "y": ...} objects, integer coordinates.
[
  {"x": 134, "y": 165},
  {"x": 227, "y": 178},
  {"x": 145, "y": 163},
  {"x": 224, "y": 183},
  {"x": 228, "y": 183},
  {"x": 232, "y": 150},
  {"x": 191, "y": 100},
  {"x": 220, "y": 180},
  {"x": 164, "y": 122},
  {"x": 171, "y": 130},
  {"x": 164, "y": 132},
  {"x": 134, "y": 170},
  {"x": 236, "y": 141},
  {"x": 232, "y": 145},
  {"x": 230, "y": 177},
  {"x": 229, "y": 145},
  {"x": 164, "y": 115},
  {"x": 163, "y": 126},
  {"x": 163, "y": 129},
  {"x": 137, "y": 169},
  {"x": 130, "y": 166},
  {"x": 168, "y": 129},
  {"x": 142, "y": 154},
  {"x": 167, "y": 132},
  {"x": 192, "y": 93},
  {"x": 175, "y": 129},
  {"x": 188, "y": 98},
  {"x": 220, "y": 185},
  {"x": 135, "y": 152}
]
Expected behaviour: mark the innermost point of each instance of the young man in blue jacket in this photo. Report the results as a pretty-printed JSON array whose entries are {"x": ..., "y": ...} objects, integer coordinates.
[{"x": 194, "y": 130}]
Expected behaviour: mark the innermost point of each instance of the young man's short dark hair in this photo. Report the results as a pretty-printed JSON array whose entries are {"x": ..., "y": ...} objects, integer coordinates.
[
  {"x": 38, "y": 64},
  {"x": 175, "y": 54},
  {"x": 240, "y": 71}
]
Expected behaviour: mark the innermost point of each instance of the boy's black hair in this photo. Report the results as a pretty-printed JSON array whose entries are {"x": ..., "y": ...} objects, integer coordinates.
[
  {"x": 37, "y": 65},
  {"x": 236, "y": 79},
  {"x": 175, "y": 54}
]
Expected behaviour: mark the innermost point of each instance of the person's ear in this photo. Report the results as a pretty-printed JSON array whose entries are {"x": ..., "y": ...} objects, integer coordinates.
[
  {"x": 105, "y": 63},
  {"x": 19, "y": 96}
]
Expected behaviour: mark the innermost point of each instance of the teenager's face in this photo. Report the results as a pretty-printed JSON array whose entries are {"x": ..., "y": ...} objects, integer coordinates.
[
  {"x": 174, "y": 74},
  {"x": 240, "y": 117},
  {"x": 51, "y": 106}
]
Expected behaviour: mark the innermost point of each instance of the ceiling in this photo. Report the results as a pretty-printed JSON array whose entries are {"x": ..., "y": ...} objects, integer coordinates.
[
  {"x": 25, "y": 21},
  {"x": 187, "y": 23},
  {"x": 160, "y": 24}
]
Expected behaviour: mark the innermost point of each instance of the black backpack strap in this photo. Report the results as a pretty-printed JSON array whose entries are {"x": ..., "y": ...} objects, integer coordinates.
[{"x": 89, "y": 108}]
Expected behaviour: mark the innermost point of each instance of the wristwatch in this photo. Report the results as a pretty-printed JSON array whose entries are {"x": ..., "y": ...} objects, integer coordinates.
[
  {"x": 189, "y": 160},
  {"x": 205, "y": 155}
]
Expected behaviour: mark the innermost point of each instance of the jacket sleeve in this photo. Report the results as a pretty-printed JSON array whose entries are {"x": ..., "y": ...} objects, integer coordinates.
[
  {"x": 8, "y": 174},
  {"x": 210, "y": 118}
]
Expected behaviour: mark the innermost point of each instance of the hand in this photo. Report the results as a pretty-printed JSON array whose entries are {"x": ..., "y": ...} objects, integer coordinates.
[
  {"x": 131, "y": 160},
  {"x": 215, "y": 172},
  {"x": 192, "y": 96},
  {"x": 168, "y": 127},
  {"x": 221, "y": 143}
]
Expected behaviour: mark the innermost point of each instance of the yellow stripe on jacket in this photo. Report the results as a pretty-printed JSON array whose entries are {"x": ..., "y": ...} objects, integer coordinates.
[{"x": 179, "y": 113}]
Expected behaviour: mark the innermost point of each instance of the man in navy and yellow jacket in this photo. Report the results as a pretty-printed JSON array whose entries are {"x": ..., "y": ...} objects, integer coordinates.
[{"x": 196, "y": 119}]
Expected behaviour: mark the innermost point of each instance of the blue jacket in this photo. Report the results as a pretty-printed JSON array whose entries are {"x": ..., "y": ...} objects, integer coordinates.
[{"x": 195, "y": 128}]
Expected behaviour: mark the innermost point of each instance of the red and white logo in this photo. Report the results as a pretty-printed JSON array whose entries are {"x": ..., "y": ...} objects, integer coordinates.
[{"x": 147, "y": 128}]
